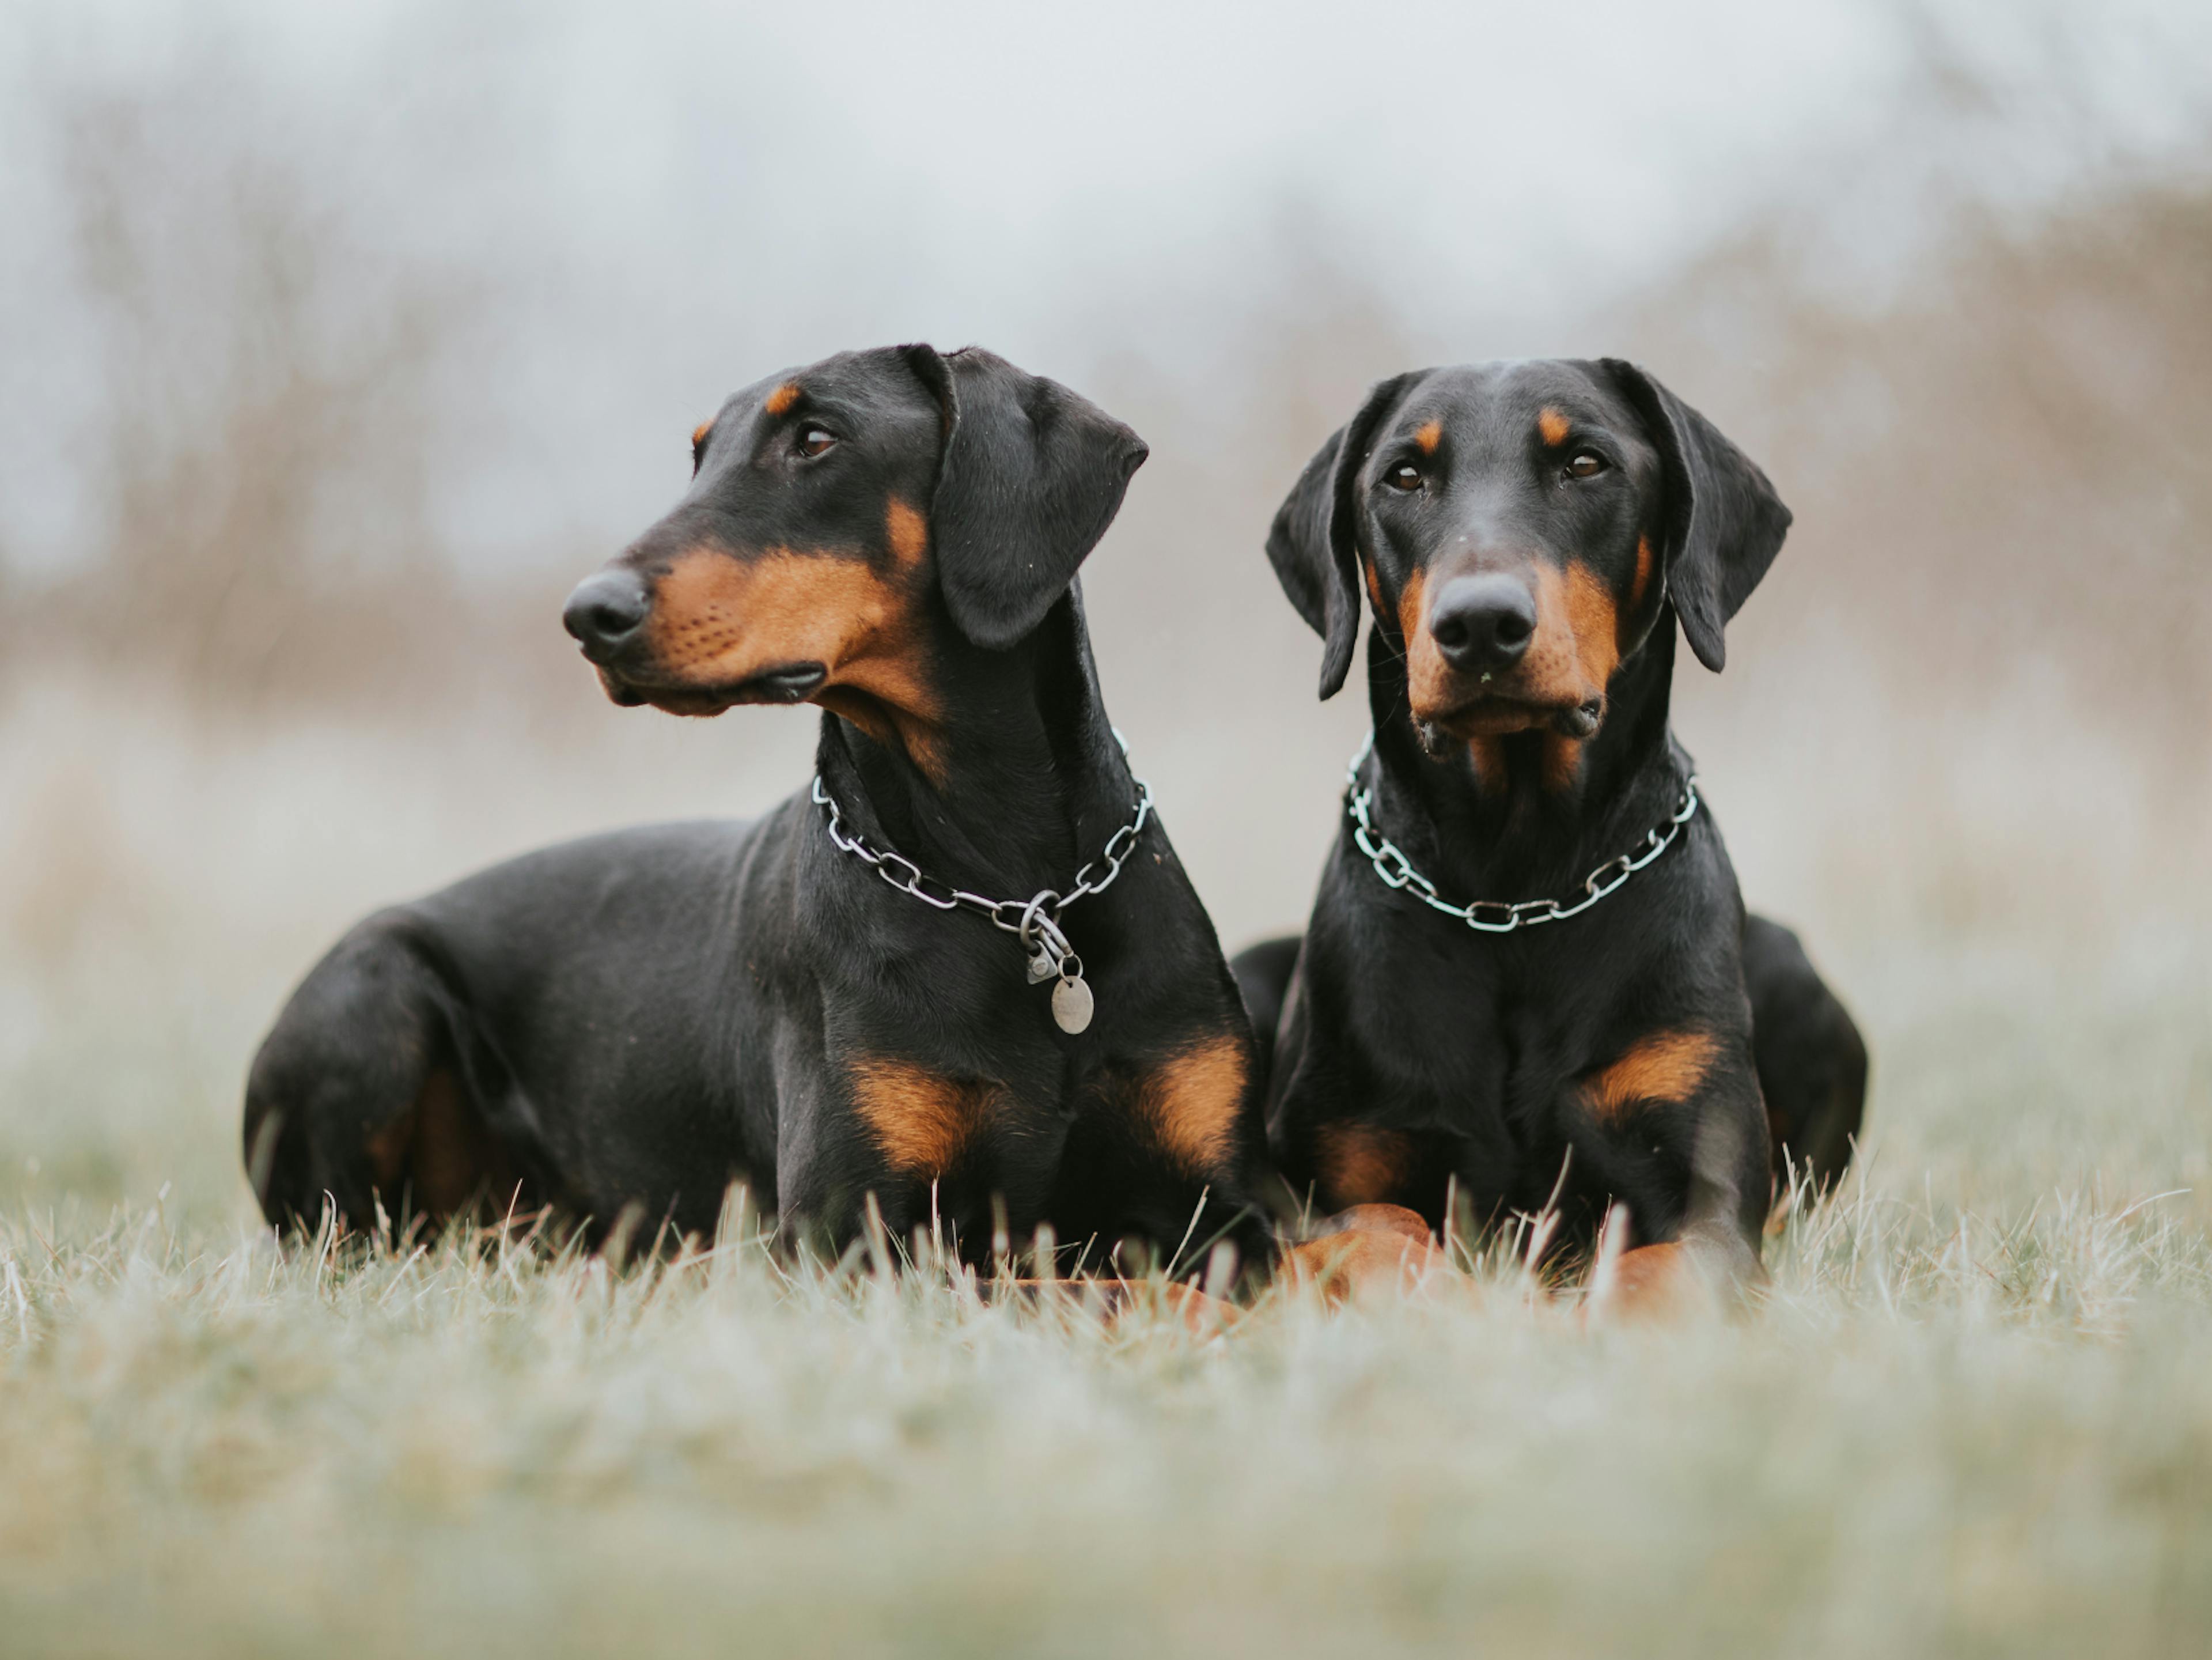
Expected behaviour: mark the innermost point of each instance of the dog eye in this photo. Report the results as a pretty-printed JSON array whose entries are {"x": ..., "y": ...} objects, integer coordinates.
[
  {"x": 1404, "y": 477},
  {"x": 1586, "y": 463},
  {"x": 699, "y": 443},
  {"x": 815, "y": 440}
]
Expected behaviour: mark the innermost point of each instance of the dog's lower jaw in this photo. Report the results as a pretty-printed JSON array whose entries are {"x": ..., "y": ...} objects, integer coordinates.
[
  {"x": 1443, "y": 738},
  {"x": 795, "y": 682},
  {"x": 619, "y": 692}
]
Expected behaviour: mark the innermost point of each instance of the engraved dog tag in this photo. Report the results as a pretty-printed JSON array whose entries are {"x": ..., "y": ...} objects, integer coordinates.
[{"x": 1070, "y": 1004}]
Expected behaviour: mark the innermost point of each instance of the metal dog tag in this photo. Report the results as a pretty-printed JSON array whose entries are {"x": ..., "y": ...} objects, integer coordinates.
[
  {"x": 1070, "y": 1004},
  {"x": 1042, "y": 967}
]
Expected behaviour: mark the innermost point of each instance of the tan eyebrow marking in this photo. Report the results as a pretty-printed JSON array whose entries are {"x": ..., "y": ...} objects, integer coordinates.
[
  {"x": 1428, "y": 436},
  {"x": 782, "y": 397},
  {"x": 699, "y": 432},
  {"x": 1553, "y": 426}
]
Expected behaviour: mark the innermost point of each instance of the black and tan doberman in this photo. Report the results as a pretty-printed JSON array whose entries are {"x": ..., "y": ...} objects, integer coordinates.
[
  {"x": 1528, "y": 979},
  {"x": 961, "y": 977}
]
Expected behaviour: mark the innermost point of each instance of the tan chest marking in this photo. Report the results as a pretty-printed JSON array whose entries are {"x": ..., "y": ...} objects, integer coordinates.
[
  {"x": 921, "y": 1120},
  {"x": 1562, "y": 761},
  {"x": 1359, "y": 1164},
  {"x": 1667, "y": 1065},
  {"x": 1190, "y": 1104},
  {"x": 1486, "y": 754}
]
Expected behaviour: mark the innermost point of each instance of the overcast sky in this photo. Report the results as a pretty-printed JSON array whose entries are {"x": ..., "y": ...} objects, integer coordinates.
[{"x": 652, "y": 202}]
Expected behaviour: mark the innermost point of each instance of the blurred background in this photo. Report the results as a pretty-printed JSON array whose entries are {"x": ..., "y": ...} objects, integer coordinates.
[{"x": 339, "y": 342}]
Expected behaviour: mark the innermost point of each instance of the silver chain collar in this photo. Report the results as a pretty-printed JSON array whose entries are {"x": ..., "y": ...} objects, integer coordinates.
[
  {"x": 1500, "y": 916},
  {"x": 1034, "y": 920}
]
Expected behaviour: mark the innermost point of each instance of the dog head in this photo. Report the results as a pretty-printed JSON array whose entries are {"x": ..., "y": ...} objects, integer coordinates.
[
  {"x": 1518, "y": 529},
  {"x": 850, "y": 526}
]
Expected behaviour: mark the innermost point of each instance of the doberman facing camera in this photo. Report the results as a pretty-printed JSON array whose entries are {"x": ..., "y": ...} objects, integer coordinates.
[
  {"x": 1529, "y": 980},
  {"x": 963, "y": 978}
]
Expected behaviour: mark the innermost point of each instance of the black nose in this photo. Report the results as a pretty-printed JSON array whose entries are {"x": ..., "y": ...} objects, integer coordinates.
[
  {"x": 606, "y": 611},
  {"x": 1483, "y": 622}
]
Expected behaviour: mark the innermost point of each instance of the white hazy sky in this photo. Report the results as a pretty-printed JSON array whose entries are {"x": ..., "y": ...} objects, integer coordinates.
[{"x": 656, "y": 201}]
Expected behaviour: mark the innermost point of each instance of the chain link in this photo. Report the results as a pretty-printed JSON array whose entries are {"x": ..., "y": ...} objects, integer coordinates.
[
  {"x": 1035, "y": 920},
  {"x": 1499, "y": 916}
]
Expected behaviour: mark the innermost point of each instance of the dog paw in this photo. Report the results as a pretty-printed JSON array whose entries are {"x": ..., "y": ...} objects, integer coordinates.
[
  {"x": 1650, "y": 1285},
  {"x": 1365, "y": 1251}
]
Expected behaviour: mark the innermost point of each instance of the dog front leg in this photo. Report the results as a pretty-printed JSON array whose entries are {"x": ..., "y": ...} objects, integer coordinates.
[{"x": 1710, "y": 1266}]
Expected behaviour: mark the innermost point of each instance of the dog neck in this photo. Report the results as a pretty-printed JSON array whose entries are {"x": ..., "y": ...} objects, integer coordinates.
[
  {"x": 1527, "y": 815},
  {"x": 1025, "y": 781}
]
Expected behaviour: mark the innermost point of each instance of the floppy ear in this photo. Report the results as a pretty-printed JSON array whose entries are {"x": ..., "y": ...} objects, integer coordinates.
[
  {"x": 1030, "y": 477},
  {"x": 1723, "y": 522},
  {"x": 1313, "y": 543}
]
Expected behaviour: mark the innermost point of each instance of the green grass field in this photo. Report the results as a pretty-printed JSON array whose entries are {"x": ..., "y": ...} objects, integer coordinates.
[{"x": 1973, "y": 1418}]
